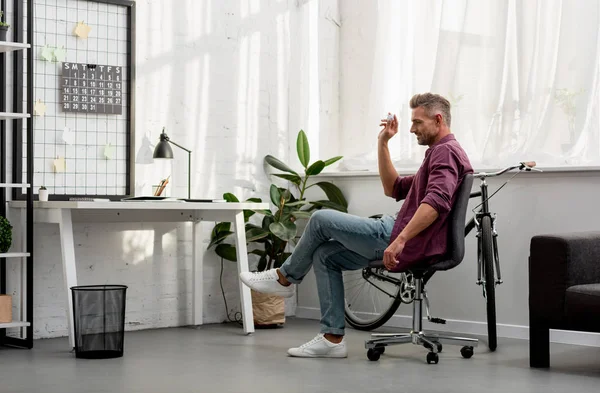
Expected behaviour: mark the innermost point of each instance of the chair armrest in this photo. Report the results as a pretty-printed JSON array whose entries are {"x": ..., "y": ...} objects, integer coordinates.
[{"x": 557, "y": 262}]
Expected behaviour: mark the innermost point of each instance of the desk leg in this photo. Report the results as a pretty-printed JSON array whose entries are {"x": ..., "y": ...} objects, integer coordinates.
[
  {"x": 242, "y": 257},
  {"x": 67, "y": 246},
  {"x": 197, "y": 273}
]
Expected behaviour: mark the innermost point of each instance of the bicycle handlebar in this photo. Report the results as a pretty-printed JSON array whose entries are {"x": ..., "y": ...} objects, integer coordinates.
[{"x": 525, "y": 165}]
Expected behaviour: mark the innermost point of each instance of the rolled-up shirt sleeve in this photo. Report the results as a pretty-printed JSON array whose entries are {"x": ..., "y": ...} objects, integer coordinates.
[
  {"x": 402, "y": 186},
  {"x": 443, "y": 179}
]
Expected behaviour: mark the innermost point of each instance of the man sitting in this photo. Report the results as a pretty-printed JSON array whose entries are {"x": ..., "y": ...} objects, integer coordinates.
[{"x": 334, "y": 241}]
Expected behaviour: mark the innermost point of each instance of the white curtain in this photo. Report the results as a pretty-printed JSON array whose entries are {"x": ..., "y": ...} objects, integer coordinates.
[{"x": 522, "y": 78}]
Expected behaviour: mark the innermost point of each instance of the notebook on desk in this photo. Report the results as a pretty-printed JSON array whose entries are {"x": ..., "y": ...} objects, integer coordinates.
[
  {"x": 148, "y": 198},
  {"x": 167, "y": 199}
]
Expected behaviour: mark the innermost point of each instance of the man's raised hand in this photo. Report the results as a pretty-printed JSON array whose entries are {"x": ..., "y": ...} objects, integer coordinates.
[{"x": 390, "y": 127}]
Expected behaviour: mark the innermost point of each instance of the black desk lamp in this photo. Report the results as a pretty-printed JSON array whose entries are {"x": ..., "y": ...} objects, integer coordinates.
[{"x": 163, "y": 150}]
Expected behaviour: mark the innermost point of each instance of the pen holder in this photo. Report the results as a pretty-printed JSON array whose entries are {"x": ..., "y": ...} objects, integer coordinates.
[{"x": 155, "y": 189}]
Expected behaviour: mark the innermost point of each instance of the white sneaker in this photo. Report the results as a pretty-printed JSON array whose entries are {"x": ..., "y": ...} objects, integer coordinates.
[
  {"x": 266, "y": 282},
  {"x": 320, "y": 347}
]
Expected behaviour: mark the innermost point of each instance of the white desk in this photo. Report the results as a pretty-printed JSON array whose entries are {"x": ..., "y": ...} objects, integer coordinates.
[{"x": 64, "y": 213}]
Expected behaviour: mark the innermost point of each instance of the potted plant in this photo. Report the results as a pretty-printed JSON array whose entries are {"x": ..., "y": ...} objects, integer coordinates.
[
  {"x": 5, "y": 234},
  {"x": 278, "y": 227},
  {"x": 43, "y": 194},
  {"x": 3, "y": 27}
]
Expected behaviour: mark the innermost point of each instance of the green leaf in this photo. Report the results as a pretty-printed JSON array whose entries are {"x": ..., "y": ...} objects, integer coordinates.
[
  {"x": 277, "y": 229},
  {"x": 284, "y": 231},
  {"x": 227, "y": 251},
  {"x": 254, "y": 234},
  {"x": 301, "y": 214},
  {"x": 297, "y": 203},
  {"x": 334, "y": 194},
  {"x": 315, "y": 168},
  {"x": 265, "y": 212},
  {"x": 219, "y": 233},
  {"x": 275, "y": 194},
  {"x": 303, "y": 149},
  {"x": 248, "y": 214},
  {"x": 267, "y": 220},
  {"x": 219, "y": 238},
  {"x": 330, "y": 205},
  {"x": 229, "y": 197},
  {"x": 254, "y": 200},
  {"x": 291, "y": 230},
  {"x": 332, "y": 160},
  {"x": 276, "y": 163},
  {"x": 293, "y": 178}
]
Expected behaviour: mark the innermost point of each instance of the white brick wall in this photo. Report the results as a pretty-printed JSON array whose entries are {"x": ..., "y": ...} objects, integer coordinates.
[{"x": 229, "y": 80}]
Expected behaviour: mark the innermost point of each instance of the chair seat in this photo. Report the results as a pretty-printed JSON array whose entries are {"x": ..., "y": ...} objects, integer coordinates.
[{"x": 582, "y": 306}]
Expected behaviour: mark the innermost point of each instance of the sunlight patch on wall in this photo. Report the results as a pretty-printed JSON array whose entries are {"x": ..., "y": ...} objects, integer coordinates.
[
  {"x": 138, "y": 245},
  {"x": 248, "y": 103},
  {"x": 314, "y": 98},
  {"x": 249, "y": 7},
  {"x": 283, "y": 59}
]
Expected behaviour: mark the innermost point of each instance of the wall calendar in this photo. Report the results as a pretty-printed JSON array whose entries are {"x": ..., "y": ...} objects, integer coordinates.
[{"x": 91, "y": 88}]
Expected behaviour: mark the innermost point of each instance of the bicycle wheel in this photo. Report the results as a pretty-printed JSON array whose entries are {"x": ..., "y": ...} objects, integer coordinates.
[
  {"x": 372, "y": 296},
  {"x": 487, "y": 253}
]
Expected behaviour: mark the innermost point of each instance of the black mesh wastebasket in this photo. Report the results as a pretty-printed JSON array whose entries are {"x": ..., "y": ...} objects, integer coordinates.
[{"x": 99, "y": 320}]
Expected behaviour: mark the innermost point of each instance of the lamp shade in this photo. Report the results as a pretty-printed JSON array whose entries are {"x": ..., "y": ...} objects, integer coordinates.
[{"x": 163, "y": 148}]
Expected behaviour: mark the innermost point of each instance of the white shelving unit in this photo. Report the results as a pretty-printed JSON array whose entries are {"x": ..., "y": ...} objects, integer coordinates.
[
  {"x": 13, "y": 116},
  {"x": 14, "y": 324},
  {"x": 18, "y": 256},
  {"x": 14, "y": 254},
  {"x": 7, "y": 46}
]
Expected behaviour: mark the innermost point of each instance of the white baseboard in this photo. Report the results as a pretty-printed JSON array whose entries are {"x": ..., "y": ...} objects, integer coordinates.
[{"x": 476, "y": 328}]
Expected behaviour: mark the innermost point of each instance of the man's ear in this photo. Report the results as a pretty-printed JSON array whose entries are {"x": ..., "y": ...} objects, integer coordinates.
[{"x": 439, "y": 119}]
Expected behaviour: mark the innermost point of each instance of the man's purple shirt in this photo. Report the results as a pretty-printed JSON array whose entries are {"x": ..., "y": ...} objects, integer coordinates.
[{"x": 435, "y": 183}]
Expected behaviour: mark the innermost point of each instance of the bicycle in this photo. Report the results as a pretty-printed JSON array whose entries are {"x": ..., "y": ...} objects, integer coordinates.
[{"x": 391, "y": 289}]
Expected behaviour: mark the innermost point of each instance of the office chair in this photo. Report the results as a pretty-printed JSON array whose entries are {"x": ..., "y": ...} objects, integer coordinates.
[{"x": 376, "y": 345}]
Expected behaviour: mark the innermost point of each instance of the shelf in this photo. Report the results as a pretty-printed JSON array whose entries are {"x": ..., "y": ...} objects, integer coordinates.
[
  {"x": 6, "y": 46},
  {"x": 15, "y": 185},
  {"x": 13, "y": 324},
  {"x": 13, "y": 116},
  {"x": 14, "y": 254}
]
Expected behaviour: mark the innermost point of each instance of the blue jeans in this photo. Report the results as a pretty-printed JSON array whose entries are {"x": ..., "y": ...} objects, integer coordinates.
[{"x": 332, "y": 242}]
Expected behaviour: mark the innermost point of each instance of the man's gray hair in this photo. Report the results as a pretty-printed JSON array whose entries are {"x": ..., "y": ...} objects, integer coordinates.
[{"x": 433, "y": 104}]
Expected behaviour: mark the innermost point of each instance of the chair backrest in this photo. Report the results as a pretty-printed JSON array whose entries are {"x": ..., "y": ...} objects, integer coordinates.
[{"x": 456, "y": 229}]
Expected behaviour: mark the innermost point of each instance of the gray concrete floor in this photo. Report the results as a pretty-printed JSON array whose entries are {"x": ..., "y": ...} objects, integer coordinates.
[{"x": 219, "y": 358}]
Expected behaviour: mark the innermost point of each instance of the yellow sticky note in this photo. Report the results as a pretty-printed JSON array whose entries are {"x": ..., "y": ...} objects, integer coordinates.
[
  {"x": 59, "y": 165},
  {"x": 82, "y": 30},
  {"x": 39, "y": 108}
]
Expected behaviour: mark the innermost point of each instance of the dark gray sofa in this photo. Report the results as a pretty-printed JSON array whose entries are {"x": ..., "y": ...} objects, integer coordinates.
[{"x": 564, "y": 288}]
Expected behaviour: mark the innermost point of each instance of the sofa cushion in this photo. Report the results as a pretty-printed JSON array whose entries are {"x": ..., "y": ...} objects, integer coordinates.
[{"x": 582, "y": 306}]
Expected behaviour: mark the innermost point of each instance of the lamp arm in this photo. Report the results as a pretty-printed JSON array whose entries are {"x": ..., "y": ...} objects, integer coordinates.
[{"x": 179, "y": 146}]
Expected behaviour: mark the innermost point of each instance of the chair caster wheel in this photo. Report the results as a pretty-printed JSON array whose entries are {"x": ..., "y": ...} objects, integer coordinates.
[
  {"x": 373, "y": 354},
  {"x": 440, "y": 347},
  {"x": 432, "y": 358},
  {"x": 466, "y": 352},
  {"x": 381, "y": 350}
]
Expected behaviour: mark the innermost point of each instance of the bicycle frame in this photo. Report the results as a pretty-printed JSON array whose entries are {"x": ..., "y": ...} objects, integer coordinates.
[{"x": 475, "y": 223}]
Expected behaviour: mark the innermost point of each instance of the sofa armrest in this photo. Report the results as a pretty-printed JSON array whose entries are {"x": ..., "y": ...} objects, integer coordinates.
[{"x": 557, "y": 262}]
